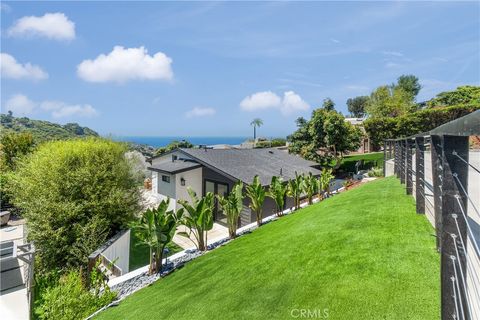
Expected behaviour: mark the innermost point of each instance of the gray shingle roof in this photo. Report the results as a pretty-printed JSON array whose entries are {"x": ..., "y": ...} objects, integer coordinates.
[
  {"x": 244, "y": 164},
  {"x": 175, "y": 166}
]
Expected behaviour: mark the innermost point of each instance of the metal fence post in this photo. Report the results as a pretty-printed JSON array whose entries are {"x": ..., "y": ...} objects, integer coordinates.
[
  {"x": 437, "y": 168},
  {"x": 396, "y": 160},
  {"x": 402, "y": 161},
  {"x": 455, "y": 179},
  {"x": 385, "y": 143},
  {"x": 420, "y": 174},
  {"x": 408, "y": 169}
]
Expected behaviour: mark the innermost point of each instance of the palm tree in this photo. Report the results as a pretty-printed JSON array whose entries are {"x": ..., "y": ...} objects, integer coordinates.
[
  {"x": 295, "y": 188},
  {"x": 156, "y": 229},
  {"x": 277, "y": 191},
  {"x": 324, "y": 182},
  {"x": 232, "y": 206},
  {"x": 257, "y": 122},
  {"x": 200, "y": 217},
  {"x": 256, "y": 193},
  {"x": 310, "y": 186}
]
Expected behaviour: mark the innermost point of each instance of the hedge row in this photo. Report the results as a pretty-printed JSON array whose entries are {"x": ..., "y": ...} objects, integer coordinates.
[{"x": 379, "y": 129}]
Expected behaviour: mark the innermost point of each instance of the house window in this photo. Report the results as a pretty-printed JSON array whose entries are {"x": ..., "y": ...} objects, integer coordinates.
[{"x": 166, "y": 179}]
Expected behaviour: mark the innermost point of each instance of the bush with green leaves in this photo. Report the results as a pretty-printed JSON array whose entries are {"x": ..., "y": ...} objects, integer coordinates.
[
  {"x": 156, "y": 229},
  {"x": 198, "y": 218},
  {"x": 74, "y": 195},
  {"x": 278, "y": 191},
  {"x": 381, "y": 128},
  {"x": 375, "y": 172},
  {"x": 232, "y": 206},
  {"x": 256, "y": 193},
  {"x": 310, "y": 186},
  {"x": 70, "y": 299}
]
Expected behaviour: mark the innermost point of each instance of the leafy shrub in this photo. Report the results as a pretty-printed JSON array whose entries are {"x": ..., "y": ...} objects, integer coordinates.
[
  {"x": 375, "y": 172},
  {"x": 69, "y": 299},
  {"x": 379, "y": 129},
  {"x": 74, "y": 195}
]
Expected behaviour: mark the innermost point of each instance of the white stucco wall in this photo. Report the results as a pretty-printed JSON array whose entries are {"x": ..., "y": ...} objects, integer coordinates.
[
  {"x": 119, "y": 252},
  {"x": 193, "y": 179},
  {"x": 155, "y": 182}
]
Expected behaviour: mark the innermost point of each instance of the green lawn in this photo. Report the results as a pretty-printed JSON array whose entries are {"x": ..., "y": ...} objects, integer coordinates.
[
  {"x": 139, "y": 252},
  {"x": 370, "y": 160},
  {"x": 363, "y": 254}
]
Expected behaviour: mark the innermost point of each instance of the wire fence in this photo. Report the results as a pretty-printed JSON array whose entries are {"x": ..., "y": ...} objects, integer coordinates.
[{"x": 436, "y": 168}]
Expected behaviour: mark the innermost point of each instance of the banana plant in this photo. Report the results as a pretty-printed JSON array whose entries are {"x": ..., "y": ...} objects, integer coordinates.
[
  {"x": 156, "y": 228},
  {"x": 310, "y": 186},
  {"x": 324, "y": 183},
  {"x": 232, "y": 206},
  {"x": 277, "y": 191},
  {"x": 199, "y": 217},
  {"x": 256, "y": 193},
  {"x": 295, "y": 189}
]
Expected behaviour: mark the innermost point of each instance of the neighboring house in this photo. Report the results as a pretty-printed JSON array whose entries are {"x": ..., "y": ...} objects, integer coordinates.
[
  {"x": 217, "y": 170},
  {"x": 365, "y": 146}
]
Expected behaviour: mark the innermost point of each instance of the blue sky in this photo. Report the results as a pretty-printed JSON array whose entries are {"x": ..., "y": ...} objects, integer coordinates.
[{"x": 209, "y": 68}]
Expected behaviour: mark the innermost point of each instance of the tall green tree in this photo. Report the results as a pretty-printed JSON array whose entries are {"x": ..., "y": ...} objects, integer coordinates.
[
  {"x": 410, "y": 84},
  {"x": 74, "y": 194},
  {"x": 156, "y": 229},
  {"x": 232, "y": 206},
  {"x": 256, "y": 123},
  {"x": 256, "y": 193},
  {"x": 356, "y": 106},
  {"x": 174, "y": 145},
  {"x": 326, "y": 137},
  {"x": 295, "y": 189},
  {"x": 199, "y": 217},
  {"x": 464, "y": 95},
  {"x": 390, "y": 101},
  {"x": 328, "y": 104},
  {"x": 278, "y": 191}
]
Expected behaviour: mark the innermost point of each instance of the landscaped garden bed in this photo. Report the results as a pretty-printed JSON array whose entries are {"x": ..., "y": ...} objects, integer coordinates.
[{"x": 362, "y": 254}]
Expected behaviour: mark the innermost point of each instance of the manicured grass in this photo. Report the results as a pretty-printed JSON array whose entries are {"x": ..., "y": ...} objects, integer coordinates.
[
  {"x": 370, "y": 160},
  {"x": 363, "y": 254},
  {"x": 139, "y": 252}
]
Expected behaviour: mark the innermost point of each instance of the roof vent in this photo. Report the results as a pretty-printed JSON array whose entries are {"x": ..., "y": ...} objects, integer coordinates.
[
  {"x": 270, "y": 151},
  {"x": 281, "y": 171}
]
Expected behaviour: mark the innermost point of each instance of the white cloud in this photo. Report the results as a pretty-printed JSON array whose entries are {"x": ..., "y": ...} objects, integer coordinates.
[
  {"x": 392, "y": 65},
  {"x": 290, "y": 103},
  {"x": 20, "y": 105},
  {"x": 10, "y": 68},
  {"x": 124, "y": 64},
  {"x": 393, "y": 53},
  {"x": 260, "y": 100},
  {"x": 200, "y": 112},
  {"x": 54, "y": 26},
  {"x": 5, "y": 7},
  {"x": 335, "y": 40}
]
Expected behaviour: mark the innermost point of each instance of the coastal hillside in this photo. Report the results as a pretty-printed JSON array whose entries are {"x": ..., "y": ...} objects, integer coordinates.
[{"x": 43, "y": 130}]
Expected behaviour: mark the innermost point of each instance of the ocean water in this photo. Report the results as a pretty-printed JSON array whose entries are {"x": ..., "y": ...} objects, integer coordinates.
[{"x": 163, "y": 141}]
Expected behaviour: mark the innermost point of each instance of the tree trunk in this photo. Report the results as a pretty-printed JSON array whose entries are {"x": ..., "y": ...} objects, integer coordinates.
[{"x": 150, "y": 269}]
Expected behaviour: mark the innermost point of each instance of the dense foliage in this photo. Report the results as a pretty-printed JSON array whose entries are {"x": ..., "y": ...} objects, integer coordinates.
[
  {"x": 69, "y": 299},
  {"x": 232, "y": 206},
  {"x": 356, "y": 106},
  {"x": 381, "y": 128},
  {"x": 256, "y": 193},
  {"x": 324, "y": 137},
  {"x": 156, "y": 228},
  {"x": 43, "y": 130},
  {"x": 276, "y": 142},
  {"x": 174, "y": 145},
  {"x": 74, "y": 195},
  {"x": 461, "y": 96}
]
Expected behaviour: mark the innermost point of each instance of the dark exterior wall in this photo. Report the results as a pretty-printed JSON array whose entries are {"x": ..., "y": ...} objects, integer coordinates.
[
  {"x": 246, "y": 216},
  {"x": 209, "y": 174}
]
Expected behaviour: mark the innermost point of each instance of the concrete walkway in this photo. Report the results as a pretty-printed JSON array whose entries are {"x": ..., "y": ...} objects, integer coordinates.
[{"x": 217, "y": 232}]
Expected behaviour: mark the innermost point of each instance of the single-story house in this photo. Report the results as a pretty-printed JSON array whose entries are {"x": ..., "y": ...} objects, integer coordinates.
[{"x": 217, "y": 170}]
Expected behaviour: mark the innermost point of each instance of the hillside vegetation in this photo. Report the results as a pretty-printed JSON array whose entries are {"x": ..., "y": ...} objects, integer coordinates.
[{"x": 43, "y": 130}]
